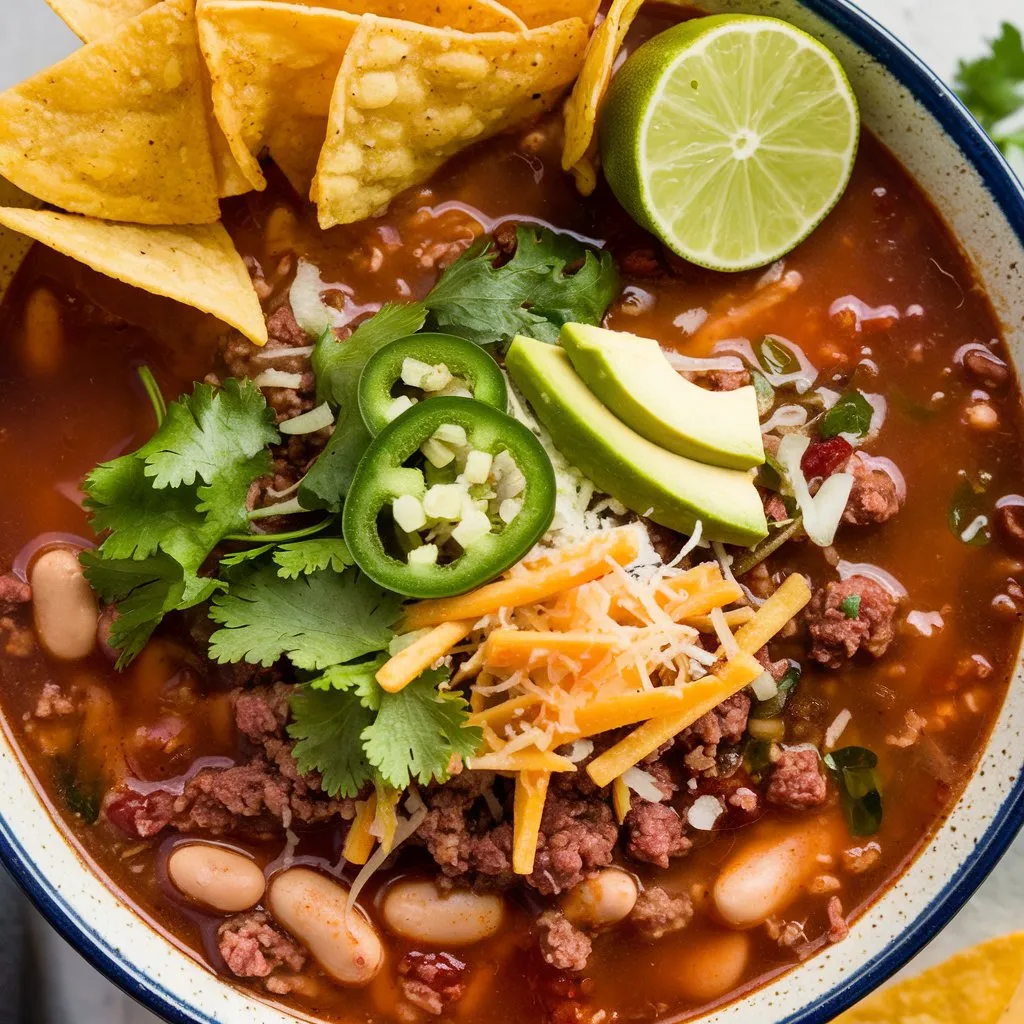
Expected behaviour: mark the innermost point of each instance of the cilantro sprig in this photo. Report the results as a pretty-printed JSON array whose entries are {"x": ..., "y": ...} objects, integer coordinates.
[
  {"x": 353, "y": 732},
  {"x": 164, "y": 507},
  {"x": 993, "y": 88}
]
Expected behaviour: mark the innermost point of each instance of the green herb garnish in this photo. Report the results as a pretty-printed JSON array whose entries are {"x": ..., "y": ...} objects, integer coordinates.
[
  {"x": 850, "y": 415},
  {"x": 850, "y": 606},
  {"x": 854, "y": 769},
  {"x": 353, "y": 732},
  {"x": 993, "y": 88},
  {"x": 774, "y": 706},
  {"x": 967, "y": 516},
  {"x": 777, "y": 357}
]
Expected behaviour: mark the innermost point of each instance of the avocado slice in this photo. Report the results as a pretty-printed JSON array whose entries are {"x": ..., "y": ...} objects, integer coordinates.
[
  {"x": 668, "y": 488},
  {"x": 632, "y": 376}
]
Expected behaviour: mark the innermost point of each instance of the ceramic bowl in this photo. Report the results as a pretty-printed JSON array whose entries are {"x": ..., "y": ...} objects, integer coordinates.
[{"x": 924, "y": 124}]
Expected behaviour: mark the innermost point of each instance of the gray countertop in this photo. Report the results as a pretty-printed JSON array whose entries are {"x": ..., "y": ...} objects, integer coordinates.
[{"x": 31, "y": 37}]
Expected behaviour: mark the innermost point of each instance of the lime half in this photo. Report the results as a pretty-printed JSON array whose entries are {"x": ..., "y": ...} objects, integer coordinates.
[{"x": 730, "y": 138}]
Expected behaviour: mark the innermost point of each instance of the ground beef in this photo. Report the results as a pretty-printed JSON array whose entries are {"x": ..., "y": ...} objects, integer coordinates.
[
  {"x": 53, "y": 703},
  {"x": 858, "y": 859},
  {"x": 505, "y": 238},
  {"x": 13, "y": 592},
  {"x": 724, "y": 724},
  {"x": 243, "y": 359},
  {"x": 431, "y": 981},
  {"x": 838, "y": 928},
  {"x": 140, "y": 815},
  {"x": 985, "y": 367},
  {"x": 1009, "y": 517},
  {"x": 253, "y": 947},
  {"x": 577, "y": 835},
  {"x": 797, "y": 780},
  {"x": 656, "y": 913},
  {"x": 460, "y": 834},
  {"x": 261, "y": 713},
  {"x": 562, "y": 944},
  {"x": 642, "y": 263},
  {"x": 777, "y": 669},
  {"x": 873, "y": 497},
  {"x": 654, "y": 833},
  {"x": 835, "y": 636},
  {"x": 719, "y": 380},
  {"x": 774, "y": 507}
]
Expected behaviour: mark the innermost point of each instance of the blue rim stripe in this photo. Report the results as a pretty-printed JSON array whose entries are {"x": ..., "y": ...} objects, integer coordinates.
[{"x": 1008, "y": 194}]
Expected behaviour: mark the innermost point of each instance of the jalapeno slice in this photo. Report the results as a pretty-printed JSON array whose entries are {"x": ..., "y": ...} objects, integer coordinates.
[
  {"x": 421, "y": 366},
  {"x": 447, "y": 496}
]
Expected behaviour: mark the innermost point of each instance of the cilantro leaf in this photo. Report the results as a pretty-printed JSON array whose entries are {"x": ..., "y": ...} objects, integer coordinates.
[
  {"x": 316, "y": 620},
  {"x": 360, "y": 677},
  {"x": 207, "y": 434},
  {"x": 337, "y": 365},
  {"x": 246, "y": 555},
  {"x": 417, "y": 730},
  {"x": 328, "y": 725},
  {"x": 993, "y": 88},
  {"x": 534, "y": 293},
  {"x": 309, "y": 556},
  {"x": 851, "y": 414},
  {"x": 850, "y": 606}
]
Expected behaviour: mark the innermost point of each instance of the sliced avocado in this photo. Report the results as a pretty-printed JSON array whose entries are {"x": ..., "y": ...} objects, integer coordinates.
[
  {"x": 632, "y": 376},
  {"x": 668, "y": 488}
]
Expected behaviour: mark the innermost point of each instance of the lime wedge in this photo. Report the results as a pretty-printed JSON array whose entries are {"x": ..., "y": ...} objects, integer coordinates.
[{"x": 730, "y": 138}]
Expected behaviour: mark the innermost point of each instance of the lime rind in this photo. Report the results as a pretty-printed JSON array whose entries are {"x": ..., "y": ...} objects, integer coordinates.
[{"x": 731, "y": 138}]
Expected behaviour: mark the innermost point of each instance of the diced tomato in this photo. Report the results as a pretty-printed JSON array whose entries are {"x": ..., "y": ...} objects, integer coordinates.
[{"x": 823, "y": 458}]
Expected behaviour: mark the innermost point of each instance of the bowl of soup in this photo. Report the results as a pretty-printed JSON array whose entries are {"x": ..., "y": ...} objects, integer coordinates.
[{"x": 460, "y": 606}]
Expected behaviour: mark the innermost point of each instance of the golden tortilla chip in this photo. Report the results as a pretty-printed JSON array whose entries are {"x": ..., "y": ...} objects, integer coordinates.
[
  {"x": 118, "y": 129},
  {"x": 582, "y": 106},
  {"x": 195, "y": 265},
  {"x": 463, "y": 15},
  {"x": 90, "y": 19},
  {"x": 546, "y": 12},
  {"x": 409, "y": 97},
  {"x": 973, "y": 987},
  {"x": 273, "y": 68}
]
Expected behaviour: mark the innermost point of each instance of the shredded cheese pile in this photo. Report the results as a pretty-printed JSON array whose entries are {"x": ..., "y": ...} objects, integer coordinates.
[{"x": 571, "y": 644}]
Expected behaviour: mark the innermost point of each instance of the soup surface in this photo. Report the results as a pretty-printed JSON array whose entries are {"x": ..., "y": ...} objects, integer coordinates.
[{"x": 905, "y": 650}]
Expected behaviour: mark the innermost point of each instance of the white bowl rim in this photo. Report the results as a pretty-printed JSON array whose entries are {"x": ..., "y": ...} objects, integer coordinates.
[{"x": 1007, "y": 193}]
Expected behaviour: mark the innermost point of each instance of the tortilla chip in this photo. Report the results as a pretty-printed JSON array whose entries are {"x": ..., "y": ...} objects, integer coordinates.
[
  {"x": 409, "y": 97},
  {"x": 118, "y": 129},
  {"x": 973, "y": 987},
  {"x": 582, "y": 106},
  {"x": 546, "y": 12},
  {"x": 463, "y": 15},
  {"x": 195, "y": 265},
  {"x": 90, "y": 19},
  {"x": 273, "y": 68}
]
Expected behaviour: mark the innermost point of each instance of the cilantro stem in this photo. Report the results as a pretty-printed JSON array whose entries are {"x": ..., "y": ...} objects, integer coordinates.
[
  {"x": 284, "y": 508},
  {"x": 280, "y": 538},
  {"x": 153, "y": 392}
]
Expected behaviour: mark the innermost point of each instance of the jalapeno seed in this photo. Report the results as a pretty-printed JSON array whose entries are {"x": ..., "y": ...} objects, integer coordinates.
[{"x": 216, "y": 877}]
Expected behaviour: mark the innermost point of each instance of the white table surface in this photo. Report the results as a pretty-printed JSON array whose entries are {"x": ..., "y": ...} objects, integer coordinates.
[{"x": 942, "y": 31}]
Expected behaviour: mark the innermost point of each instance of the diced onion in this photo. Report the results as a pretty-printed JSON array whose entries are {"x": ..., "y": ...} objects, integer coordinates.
[
  {"x": 311, "y": 313},
  {"x": 278, "y": 379},
  {"x": 643, "y": 784},
  {"x": 785, "y": 416},
  {"x": 283, "y": 352},
  {"x": 926, "y": 623},
  {"x": 764, "y": 686},
  {"x": 882, "y": 577},
  {"x": 308, "y": 422},
  {"x": 697, "y": 364},
  {"x": 580, "y": 750},
  {"x": 822, "y": 512},
  {"x": 835, "y": 730},
  {"x": 704, "y": 812},
  {"x": 802, "y": 379}
]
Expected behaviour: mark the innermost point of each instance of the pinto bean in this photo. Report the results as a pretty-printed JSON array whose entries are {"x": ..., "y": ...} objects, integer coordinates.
[
  {"x": 216, "y": 877},
  {"x": 764, "y": 877},
  {"x": 605, "y": 898},
  {"x": 312, "y": 907},
  {"x": 419, "y": 911},
  {"x": 63, "y": 604}
]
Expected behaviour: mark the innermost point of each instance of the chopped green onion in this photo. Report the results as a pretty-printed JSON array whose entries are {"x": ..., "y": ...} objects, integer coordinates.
[
  {"x": 854, "y": 769},
  {"x": 773, "y": 706},
  {"x": 850, "y": 606},
  {"x": 153, "y": 392}
]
